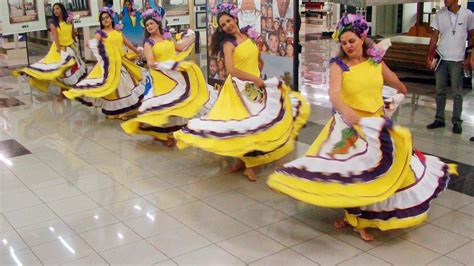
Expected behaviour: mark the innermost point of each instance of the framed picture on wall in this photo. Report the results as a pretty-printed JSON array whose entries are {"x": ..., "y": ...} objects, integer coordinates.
[
  {"x": 201, "y": 20},
  {"x": 199, "y": 2}
]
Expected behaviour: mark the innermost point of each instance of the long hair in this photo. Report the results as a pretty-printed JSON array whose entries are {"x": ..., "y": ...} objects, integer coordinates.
[
  {"x": 55, "y": 20},
  {"x": 100, "y": 20},
  {"x": 160, "y": 27},
  {"x": 219, "y": 35}
]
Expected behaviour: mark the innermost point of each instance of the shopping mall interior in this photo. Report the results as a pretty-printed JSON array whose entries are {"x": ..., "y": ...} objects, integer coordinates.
[{"x": 75, "y": 189}]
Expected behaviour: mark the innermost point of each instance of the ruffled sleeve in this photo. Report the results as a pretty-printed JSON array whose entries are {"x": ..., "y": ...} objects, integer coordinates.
[
  {"x": 340, "y": 63},
  {"x": 149, "y": 41},
  {"x": 101, "y": 33}
]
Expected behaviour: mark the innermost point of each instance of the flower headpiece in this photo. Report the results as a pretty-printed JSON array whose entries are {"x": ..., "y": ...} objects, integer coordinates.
[
  {"x": 228, "y": 8},
  {"x": 251, "y": 32},
  {"x": 156, "y": 16},
  {"x": 70, "y": 17},
  {"x": 152, "y": 14},
  {"x": 107, "y": 10},
  {"x": 351, "y": 22}
]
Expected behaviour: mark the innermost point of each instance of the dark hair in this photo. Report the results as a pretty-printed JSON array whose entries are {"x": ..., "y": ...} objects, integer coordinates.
[
  {"x": 55, "y": 19},
  {"x": 100, "y": 20},
  {"x": 219, "y": 35},
  {"x": 147, "y": 34}
]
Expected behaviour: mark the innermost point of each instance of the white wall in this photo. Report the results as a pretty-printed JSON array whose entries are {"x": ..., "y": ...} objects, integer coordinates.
[{"x": 409, "y": 16}]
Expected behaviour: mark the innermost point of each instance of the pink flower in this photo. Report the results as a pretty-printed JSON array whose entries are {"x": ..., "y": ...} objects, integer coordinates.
[
  {"x": 70, "y": 17},
  {"x": 166, "y": 35},
  {"x": 118, "y": 27}
]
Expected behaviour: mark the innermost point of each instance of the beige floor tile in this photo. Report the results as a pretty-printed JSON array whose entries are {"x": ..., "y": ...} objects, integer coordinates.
[
  {"x": 201, "y": 257},
  {"x": 457, "y": 222},
  {"x": 412, "y": 253},
  {"x": 436, "y": 238},
  {"x": 463, "y": 254},
  {"x": 444, "y": 261},
  {"x": 364, "y": 259},
  {"x": 326, "y": 250},
  {"x": 251, "y": 246},
  {"x": 140, "y": 251},
  {"x": 178, "y": 241},
  {"x": 109, "y": 237},
  {"x": 284, "y": 257},
  {"x": 289, "y": 232}
]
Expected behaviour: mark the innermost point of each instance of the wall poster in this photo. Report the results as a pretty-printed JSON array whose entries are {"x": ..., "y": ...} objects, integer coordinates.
[
  {"x": 22, "y": 16},
  {"x": 274, "y": 21},
  {"x": 85, "y": 11}
]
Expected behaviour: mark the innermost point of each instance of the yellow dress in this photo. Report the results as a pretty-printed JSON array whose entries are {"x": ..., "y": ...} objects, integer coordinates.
[
  {"x": 256, "y": 125},
  {"x": 175, "y": 91},
  {"x": 115, "y": 83},
  {"x": 59, "y": 69},
  {"x": 369, "y": 169}
]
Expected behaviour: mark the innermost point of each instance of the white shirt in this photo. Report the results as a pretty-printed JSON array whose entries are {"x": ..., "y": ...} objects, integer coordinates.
[{"x": 453, "y": 47}]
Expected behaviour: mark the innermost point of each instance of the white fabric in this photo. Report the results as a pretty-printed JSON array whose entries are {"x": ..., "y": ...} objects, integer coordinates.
[
  {"x": 364, "y": 155},
  {"x": 270, "y": 110},
  {"x": 420, "y": 192},
  {"x": 452, "y": 47}
]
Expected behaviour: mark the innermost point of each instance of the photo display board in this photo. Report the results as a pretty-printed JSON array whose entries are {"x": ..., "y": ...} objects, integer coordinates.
[
  {"x": 274, "y": 21},
  {"x": 86, "y": 12},
  {"x": 20, "y": 16}
]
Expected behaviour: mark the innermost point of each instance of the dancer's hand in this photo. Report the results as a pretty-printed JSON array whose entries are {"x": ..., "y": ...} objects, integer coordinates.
[
  {"x": 351, "y": 118},
  {"x": 140, "y": 50},
  {"x": 259, "y": 83}
]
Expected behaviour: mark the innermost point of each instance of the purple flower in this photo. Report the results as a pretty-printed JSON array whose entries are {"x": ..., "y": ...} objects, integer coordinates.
[
  {"x": 118, "y": 27},
  {"x": 166, "y": 35},
  {"x": 70, "y": 17}
]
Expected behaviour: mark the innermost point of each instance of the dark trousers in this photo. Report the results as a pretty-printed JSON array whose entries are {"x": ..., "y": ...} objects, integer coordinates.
[{"x": 454, "y": 71}]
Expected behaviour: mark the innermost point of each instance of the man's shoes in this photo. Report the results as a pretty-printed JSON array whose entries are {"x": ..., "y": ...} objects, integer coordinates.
[
  {"x": 457, "y": 129},
  {"x": 471, "y": 139},
  {"x": 435, "y": 124}
]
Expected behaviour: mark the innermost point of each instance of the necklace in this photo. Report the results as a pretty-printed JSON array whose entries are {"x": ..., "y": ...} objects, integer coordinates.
[{"x": 453, "y": 27}]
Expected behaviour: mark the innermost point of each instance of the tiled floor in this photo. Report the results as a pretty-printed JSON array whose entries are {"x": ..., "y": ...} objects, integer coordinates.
[{"x": 76, "y": 190}]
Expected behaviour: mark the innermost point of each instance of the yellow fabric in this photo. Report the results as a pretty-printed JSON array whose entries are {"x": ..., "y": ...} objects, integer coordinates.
[
  {"x": 229, "y": 105},
  {"x": 112, "y": 52},
  {"x": 164, "y": 51},
  {"x": 331, "y": 194},
  {"x": 65, "y": 33},
  {"x": 367, "y": 95},
  {"x": 393, "y": 223},
  {"x": 116, "y": 37},
  {"x": 162, "y": 84},
  {"x": 246, "y": 57},
  {"x": 134, "y": 20},
  {"x": 265, "y": 141},
  {"x": 41, "y": 80}
]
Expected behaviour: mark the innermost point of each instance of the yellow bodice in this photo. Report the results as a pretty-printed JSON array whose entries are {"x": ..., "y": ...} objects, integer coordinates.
[
  {"x": 65, "y": 34},
  {"x": 246, "y": 57},
  {"x": 362, "y": 87},
  {"x": 164, "y": 51},
  {"x": 116, "y": 38}
]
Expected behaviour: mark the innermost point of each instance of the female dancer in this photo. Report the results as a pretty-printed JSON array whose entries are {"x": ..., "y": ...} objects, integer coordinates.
[
  {"x": 175, "y": 90},
  {"x": 132, "y": 23},
  {"x": 62, "y": 66},
  {"x": 252, "y": 119},
  {"x": 360, "y": 161},
  {"x": 114, "y": 84}
]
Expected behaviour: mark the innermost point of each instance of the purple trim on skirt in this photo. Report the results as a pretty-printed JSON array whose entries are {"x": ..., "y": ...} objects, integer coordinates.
[
  {"x": 203, "y": 133},
  {"x": 366, "y": 176},
  {"x": 404, "y": 213}
]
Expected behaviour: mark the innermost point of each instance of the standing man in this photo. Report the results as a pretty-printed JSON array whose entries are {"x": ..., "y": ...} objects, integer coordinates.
[{"x": 451, "y": 28}]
